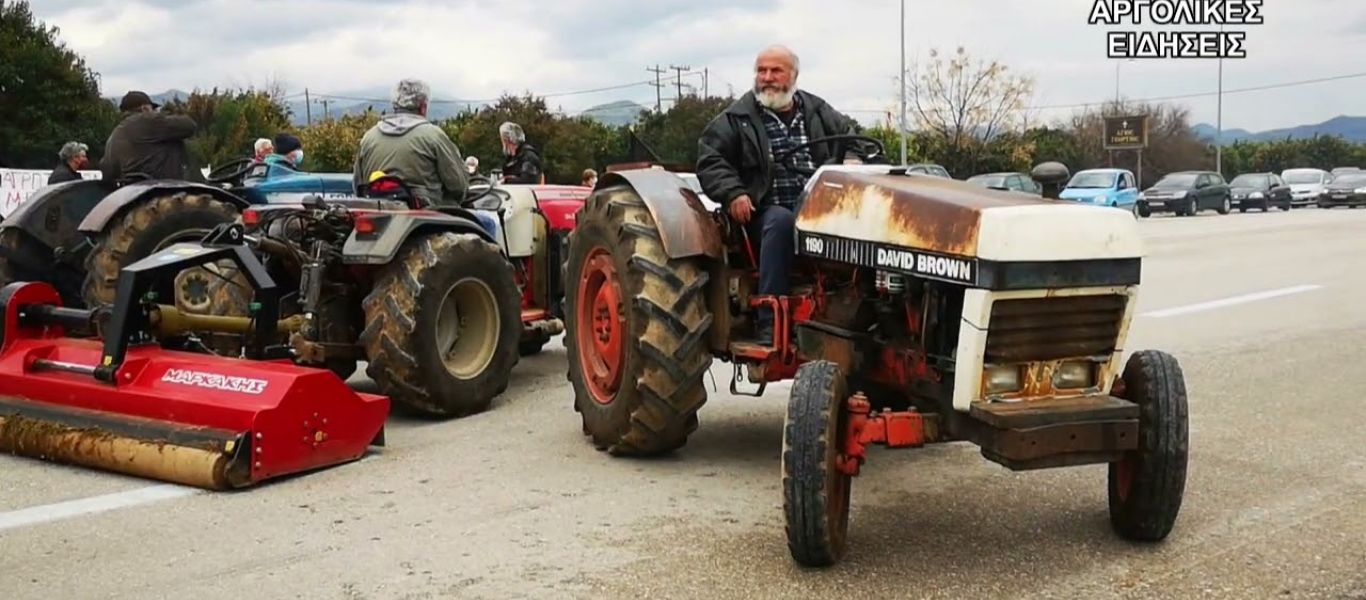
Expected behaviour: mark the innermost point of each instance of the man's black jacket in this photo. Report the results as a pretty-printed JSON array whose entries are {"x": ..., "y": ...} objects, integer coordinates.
[
  {"x": 62, "y": 173},
  {"x": 151, "y": 143},
  {"x": 524, "y": 166},
  {"x": 734, "y": 156}
]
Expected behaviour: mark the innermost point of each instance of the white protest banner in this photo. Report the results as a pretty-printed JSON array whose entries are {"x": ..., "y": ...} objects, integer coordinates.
[{"x": 16, "y": 185}]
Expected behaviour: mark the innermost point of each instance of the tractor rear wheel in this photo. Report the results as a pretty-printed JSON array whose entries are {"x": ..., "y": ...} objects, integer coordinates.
[
  {"x": 143, "y": 229},
  {"x": 635, "y": 330},
  {"x": 815, "y": 491},
  {"x": 23, "y": 258},
  {"x": 442, "y": 325},
  {"x": 1147, "y": 485}
]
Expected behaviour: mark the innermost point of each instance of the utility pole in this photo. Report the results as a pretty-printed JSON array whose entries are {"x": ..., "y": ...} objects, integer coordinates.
[
  {"x": 680, "y": 71},
  {"x": 308, "y": 107},
  {"x": 659, "y": 100},
  {"x": 327, "y": 114},
  {"x": 1219, "y": 120},
  {"x": 706, "y": 92},
  {"x": 903, "y": 83}
]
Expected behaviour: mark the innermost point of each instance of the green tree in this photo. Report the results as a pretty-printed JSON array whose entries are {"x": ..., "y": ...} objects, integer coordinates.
[
  {"x": 673, "y": 134},
  {"x": 230, "y": 122},
  {"x": 47, "y": 94},
  {"x": 330, "y": 146}
]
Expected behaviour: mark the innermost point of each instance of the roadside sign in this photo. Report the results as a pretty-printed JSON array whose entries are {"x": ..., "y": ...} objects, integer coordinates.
[{"x": 1125, "y": 133}]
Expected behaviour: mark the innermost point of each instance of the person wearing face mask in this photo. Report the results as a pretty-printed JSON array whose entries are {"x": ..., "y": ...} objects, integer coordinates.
[
  {"x": 289, "y": 152},
  {"x": 735, "y": 163},
  {"x": 73, "y": 160}
]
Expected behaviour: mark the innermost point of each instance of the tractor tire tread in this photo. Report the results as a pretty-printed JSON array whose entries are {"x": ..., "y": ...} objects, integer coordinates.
[
  {"x": 401, "y": 323},
  {"x": 1154, "y": 380},
  {"x": 662, "y": 385},
  {"x": 813, "y": 540}
]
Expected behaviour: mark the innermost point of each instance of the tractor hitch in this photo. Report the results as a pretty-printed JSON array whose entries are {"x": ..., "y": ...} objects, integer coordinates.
[{"x": 894, "y": 429}]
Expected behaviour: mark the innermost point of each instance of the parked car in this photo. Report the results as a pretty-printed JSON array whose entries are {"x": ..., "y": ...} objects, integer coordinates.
[
  {"x": 1306, "y": 185},
  {"x": 1341, "y": 170},
  {"x": 929, "y": 169},
  {"x": 1259, "y": 190},
  {"x": 1104, "y": 187},
  {"x": 1348, "y": 189},
  {"x": 1187, "y": 193},
  {"x": 1010, "y": 182}
]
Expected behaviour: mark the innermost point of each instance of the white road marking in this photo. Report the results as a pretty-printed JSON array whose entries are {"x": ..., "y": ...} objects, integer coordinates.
[
  {"x": 1243, "y": 299},
  {"x": 94, "y": 504}
]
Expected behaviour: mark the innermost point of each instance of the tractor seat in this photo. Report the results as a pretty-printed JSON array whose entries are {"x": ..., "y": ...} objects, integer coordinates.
[{"x": 485, "y": 220}]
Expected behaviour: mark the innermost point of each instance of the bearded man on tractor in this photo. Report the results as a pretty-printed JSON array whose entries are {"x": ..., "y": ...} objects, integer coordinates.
[{"x": 735, "y": 163}]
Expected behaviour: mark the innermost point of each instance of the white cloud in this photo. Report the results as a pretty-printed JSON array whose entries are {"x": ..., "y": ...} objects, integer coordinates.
[{"x": 481, "y": 48}]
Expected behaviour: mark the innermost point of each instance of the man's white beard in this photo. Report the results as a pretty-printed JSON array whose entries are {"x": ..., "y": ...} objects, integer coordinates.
[{"x": 774, "y": 100}]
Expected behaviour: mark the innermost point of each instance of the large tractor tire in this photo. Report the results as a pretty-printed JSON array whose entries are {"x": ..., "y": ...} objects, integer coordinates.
[
  {"x": 22, "y": 258},
  {"x": 1147, "y": 485},
  {"x": 442, "y": 325},
  {"x": 144, "y": 228},
  {"x": 815, "y": 491},
  {"x": 635, "y": 331}
]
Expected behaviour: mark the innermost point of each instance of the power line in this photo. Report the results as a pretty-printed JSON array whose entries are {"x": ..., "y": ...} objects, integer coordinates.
[{"x": 1164, "y": 98}]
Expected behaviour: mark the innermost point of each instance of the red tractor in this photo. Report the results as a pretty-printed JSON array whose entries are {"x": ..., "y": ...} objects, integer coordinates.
[{"x": 923, "y": 310}]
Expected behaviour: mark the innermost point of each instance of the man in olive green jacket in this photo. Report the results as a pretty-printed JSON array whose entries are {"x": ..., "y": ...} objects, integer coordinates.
[{"x": 407, "y": 145}]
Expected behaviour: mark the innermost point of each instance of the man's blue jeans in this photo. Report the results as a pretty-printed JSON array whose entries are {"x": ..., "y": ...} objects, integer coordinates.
[{"x": 774, "y": 228}]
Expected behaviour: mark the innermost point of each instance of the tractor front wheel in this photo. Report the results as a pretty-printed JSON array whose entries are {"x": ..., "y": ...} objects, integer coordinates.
[
  {"x": 636, "y": 329},
  {"x": 815, "y": 491},
  {"x": 442, "y": 325},
  {"x": 1147, "y": 485},
  {"x": 143, "y": 229}
]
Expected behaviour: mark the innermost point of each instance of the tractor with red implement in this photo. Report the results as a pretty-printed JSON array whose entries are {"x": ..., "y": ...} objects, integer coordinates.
[
  {"x": 923, "y": 310},
  {"x": 94, "y": 387}
]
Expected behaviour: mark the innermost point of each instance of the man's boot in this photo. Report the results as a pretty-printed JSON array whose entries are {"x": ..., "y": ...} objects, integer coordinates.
[{"x": 764, "y": 326}]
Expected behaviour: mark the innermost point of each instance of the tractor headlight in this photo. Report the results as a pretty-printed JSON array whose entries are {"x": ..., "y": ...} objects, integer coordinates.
[
  {"x": 1002, "y": 378},
  {"x": 1073, "y": 374}
]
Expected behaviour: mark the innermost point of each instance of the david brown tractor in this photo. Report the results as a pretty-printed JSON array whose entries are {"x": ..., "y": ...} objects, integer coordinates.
[{"x": 924, "y": 310}]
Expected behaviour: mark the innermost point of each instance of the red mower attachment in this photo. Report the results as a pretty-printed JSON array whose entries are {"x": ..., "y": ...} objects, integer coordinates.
[{"x": 189, "y": 418}]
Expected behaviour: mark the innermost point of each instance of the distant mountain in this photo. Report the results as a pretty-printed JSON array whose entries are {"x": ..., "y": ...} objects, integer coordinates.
[
  {"x": 1352, "y": 129},
  {"x": 615, "y": 114}
]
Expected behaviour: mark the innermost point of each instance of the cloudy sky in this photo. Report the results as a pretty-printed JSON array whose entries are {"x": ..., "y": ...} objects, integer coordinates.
[{"x": 477, "y": 49}]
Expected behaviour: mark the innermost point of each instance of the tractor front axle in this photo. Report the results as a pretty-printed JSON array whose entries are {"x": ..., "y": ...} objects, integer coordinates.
[{"x": 894, "y": 429}]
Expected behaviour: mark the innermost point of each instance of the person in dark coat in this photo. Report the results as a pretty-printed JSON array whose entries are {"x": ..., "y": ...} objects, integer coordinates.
[
  {"x": 149, "y": 142},
  {"x": 735, "y": 163},
  {"x": 523, "y": 163},
  {"x": 73, "y": 155}
]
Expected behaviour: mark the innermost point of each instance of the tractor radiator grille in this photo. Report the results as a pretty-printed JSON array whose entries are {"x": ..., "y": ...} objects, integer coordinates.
[{"x": 1034, "y": 329}]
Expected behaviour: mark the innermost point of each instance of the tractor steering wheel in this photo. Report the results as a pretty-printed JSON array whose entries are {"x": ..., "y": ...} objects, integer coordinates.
[
  {"x": 859, "y": 147},
  {"x": 477, "y": 181},
  {"x": 231, "y": 171}
]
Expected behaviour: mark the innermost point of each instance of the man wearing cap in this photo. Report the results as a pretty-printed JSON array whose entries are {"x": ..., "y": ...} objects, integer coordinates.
[
  {"x": 289, "y": 151},
  {"x": 407, "y": 145},
  {"x": 73, "y": 160},
  {"x": 148, "y": 142}
]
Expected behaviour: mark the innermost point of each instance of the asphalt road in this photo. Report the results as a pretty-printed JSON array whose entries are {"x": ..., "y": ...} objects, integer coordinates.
[{"x": 515, "y": 503}]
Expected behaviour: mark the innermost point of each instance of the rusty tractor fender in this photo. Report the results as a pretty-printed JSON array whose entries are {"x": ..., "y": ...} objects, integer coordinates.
[
  {"x": 685, "y": 227},
  {"x": 392, "y": 230},
  {"x": 113, "y": 204}
]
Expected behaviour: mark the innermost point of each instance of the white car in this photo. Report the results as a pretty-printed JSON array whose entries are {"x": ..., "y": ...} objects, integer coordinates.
[{"x": 1306, "y": 185}]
